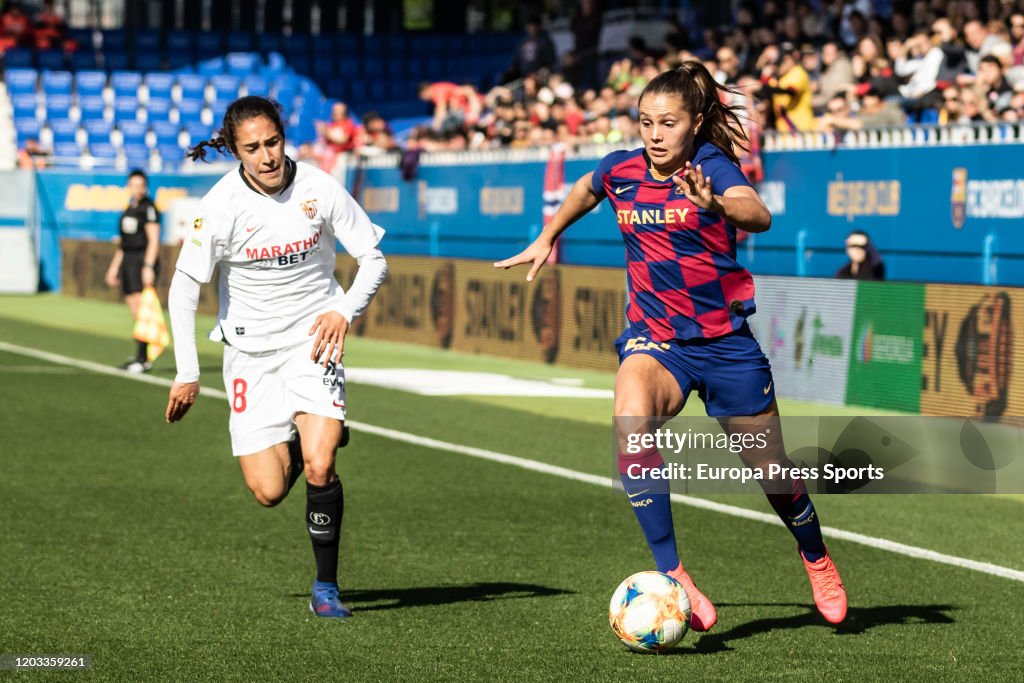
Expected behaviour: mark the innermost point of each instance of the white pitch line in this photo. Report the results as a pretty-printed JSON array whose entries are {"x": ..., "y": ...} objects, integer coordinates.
[{"x": 563, "y": 472}]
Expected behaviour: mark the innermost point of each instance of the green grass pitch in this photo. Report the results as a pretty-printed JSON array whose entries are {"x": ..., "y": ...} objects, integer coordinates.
[{"x": 137, "y": 542}]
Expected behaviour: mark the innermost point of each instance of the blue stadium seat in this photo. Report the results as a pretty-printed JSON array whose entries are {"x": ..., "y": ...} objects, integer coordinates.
[
  {"x": 275, "y": 66},
  {"x": 414, "y": 69},
  {"x": 241, "y": 64},
  {"x": 116, "y": 60},
  {"x": 64, "y": 130},
  {"x": 136, "y": 156},
  {"x": 25, "y": 129},
  {"x": 52, "y": 60},
  {"x": 209, "y": 44},
  {"x": 25, "y": 105},
  {"x": 91, "y": 107},
  {"x": 84, "y": 59},
  {"x": 323, "y": 66},
  {"x": 171, "y": 156},
  {"x": 98, "y": 130},
  {"x": 190, "y": 111},
  {"x": 396, "y": 67},
  {"x": 103, "y": 150},
  {"x": 193, "y": 87},
  {"x": 238, "y": 41},
  {"x": 133, "y": 132},
  {"x": 285, "y": 92},
  {"x": 83, "y": 38},
  {"x": 338, "y": 88},
  {"x": 346, "y": 45},
  {"x": 210, "y": 67},
  {"x": 148, "y": 61},
  {"x": 68, "y": 153},
  {"x": 374, "y": 47},
  {"x": 181, "y": 43},
  {"x": 270, "y": 42},
  {"x": 126, "y": 109},
  {"x": 378, "y": 90},
  {"x": 56, "y": 82},
  {"x": 357, "y": 90},
  {"x": 297, "y": 43},
  {"x": 225, "y": 86},
  {"x": 114, "y": 39},
  {"x": 255, "y": 84},
  {"x": 21, "y": 81},
  {"x": 348, "y": 68},
  {"x": 58, "y": 106},
  {"x": 219, "y": 107},
  {"x": 198, "y": 131},
  {"x": 146, "y": 40},
  {"x": 165, "y": 132},
  {"x": 300, "y": 63},
  {"x": 90, "y": 83},
  {"x": 395, "y": 44},
  {"x": 178, "y": 61},
  {"x": 373, "y": 67},
  {"x": 20, "y": 57},
  {"x": 159, "y": 85},
  {"x": 125, "y": 83},
  {"x": 158, "y": 109}
]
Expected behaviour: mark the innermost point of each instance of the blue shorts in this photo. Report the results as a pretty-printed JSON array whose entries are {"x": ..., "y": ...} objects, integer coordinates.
[{"x": 731, "y": 374}]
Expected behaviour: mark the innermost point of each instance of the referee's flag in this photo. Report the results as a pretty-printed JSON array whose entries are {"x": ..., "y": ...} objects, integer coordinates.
[{"x": 150, "y": 326}]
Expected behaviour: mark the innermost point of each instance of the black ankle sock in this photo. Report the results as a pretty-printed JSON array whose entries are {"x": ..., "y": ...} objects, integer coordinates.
[
  {"x": 325, "y": 506},
  {"x": 141, "y": 351}
]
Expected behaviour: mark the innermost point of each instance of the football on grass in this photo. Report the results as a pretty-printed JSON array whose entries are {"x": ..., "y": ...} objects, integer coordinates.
[{"x": 649, "y": 612}]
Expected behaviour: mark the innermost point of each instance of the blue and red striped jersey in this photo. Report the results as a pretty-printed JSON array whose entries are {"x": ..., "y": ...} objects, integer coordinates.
[{"x": 684, "y": 280}]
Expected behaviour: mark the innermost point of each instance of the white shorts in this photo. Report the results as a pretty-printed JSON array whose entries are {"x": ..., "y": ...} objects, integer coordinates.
[{"x": 266, "y": 390}]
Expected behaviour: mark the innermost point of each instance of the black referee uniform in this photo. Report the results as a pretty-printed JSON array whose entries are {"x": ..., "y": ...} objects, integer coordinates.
[{"x": 134, "y": 242}]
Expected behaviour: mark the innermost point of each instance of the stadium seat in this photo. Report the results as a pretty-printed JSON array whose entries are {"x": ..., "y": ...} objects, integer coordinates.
[
  {"x": 56, "y": 82},
  {"x": 208, "y": 44},
  {"x": 191, "y": 87},
  {"x": 323, "y": 66},
  {"x": 210, "y": 67},
  {"x": 84, "y": 59},
  {"x": 26, "y": 128},
  {"x": 171, "y": 157},
  {"x": 103, "y": 151},
  {"x": 269, "y": 43},
  {"x": 197, "y": 131},
  {"x": 181, "y": 43},
  {"x": 159, "y": 85},
  {"x": 58, "y": 106},
  {"x": 66, "y": 153},
  {"x": 136, "y": 156},
  {"x": 126, "y": 109},
  {"x": 165, "y": 132},
  {"x": 348, "y": 68},
  {"x": 396, "y": 44},
  {"x": 146, "y": 41},
  {"x": 52, "y": 60},
  {"x": 373, "y": 67},
  {"x": 357, "y": 90},
  {"x": 114, "y": 39},
  {"x": 256, "y": 85},
  {"x": 132, "y": 132},
  {"x": 275, "y": 66},
  {"x": 91, "y": 107},
  {"x": 63, "y": 130},
  {"x": 97, "y": 130},
  {"x": 239, "y": 41},
  {"x": 346, "y": 45},
  {"x": 297, "y": 43},
  {"x": 378, "y": 90},
  {"x": 125, "y": 84},
  {"x": 116, "y": 60},
  {"x": 90, "y": 83},
  {"x": 219, "y": 107},
  {"x": 396, "y": 67},
  {"x": 158, "y": 109},
  {"x": 190, "y": 111},
  {"x": 83, "y": 38},
  {"x": 374, "y": 47},
  {"x": 21, "y": 81},
  {"x": 300, "y": 63},
  {"x": 148, "y": 61},
  {"x": 20, "y": 57},
  {"x": 241, "y": 64},
  {"x": 225, "y": 86},
  {"x": 25, "y": 105}
]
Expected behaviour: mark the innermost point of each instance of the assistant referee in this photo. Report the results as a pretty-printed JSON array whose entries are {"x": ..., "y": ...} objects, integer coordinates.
[{"x": 135, "y": 265}]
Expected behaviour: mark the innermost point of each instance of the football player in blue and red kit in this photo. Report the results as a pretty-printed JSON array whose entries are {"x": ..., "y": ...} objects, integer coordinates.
[{"x": 678, "y": 202}]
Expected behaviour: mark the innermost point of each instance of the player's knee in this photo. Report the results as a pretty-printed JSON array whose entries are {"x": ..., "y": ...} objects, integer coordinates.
[
  {"x": 319, "y": 471},
  {"x": 268, "y": 495}
]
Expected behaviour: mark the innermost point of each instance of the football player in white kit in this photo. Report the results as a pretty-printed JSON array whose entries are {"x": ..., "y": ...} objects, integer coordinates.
[{"x": 271, "y": 225}]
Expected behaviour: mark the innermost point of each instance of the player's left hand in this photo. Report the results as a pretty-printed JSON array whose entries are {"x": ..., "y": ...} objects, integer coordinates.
[
  {"x": 330, "y": 328},
  {"x": 148, "y": 277},
  {"x": 696, "y": 187}
]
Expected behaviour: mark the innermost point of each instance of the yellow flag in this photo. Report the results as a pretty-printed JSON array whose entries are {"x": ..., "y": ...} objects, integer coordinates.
[{"x": 150, "y": 326}]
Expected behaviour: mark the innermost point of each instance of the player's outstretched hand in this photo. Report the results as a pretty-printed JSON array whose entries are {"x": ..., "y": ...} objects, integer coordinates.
[
  {"x": 696, "y": 187},
  {"x": 181, "y": 399},
  {"x": 330, "y": 328},
  {"x": 537, "y": 254}
]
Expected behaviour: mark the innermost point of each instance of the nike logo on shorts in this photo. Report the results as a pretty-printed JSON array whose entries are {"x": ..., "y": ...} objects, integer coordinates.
[{"x": 767, "y": 388}]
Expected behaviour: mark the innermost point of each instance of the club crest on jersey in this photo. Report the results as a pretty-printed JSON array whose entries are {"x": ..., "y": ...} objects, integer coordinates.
[
  {"x": 309, "y": 207},
  {"x": 197, "y": 224}
]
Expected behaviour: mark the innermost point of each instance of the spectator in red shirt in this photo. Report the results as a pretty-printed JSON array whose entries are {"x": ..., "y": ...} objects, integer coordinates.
[{"x": 15, "y": 28}]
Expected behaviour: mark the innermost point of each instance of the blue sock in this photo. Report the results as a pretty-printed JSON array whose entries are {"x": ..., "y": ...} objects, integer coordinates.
[
  {"x": 649, "y": 498},
  {"x": 797, "y": 512}
]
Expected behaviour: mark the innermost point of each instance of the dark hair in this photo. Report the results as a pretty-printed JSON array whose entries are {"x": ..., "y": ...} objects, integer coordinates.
[
  {"x": 991, "y": 59},
  {"x": 242, "y": 109},
  {"x": 694, "y": 85},
  {"x": 138, "y": 173}
]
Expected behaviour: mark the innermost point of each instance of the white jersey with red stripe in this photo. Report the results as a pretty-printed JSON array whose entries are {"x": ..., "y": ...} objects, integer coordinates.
[{"x": 276, "y": 253}]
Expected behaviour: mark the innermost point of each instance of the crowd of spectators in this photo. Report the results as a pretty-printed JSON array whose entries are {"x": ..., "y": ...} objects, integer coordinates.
[
  {"x": 828, "y": 65},
  {"x": 44, "y": 30}
]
